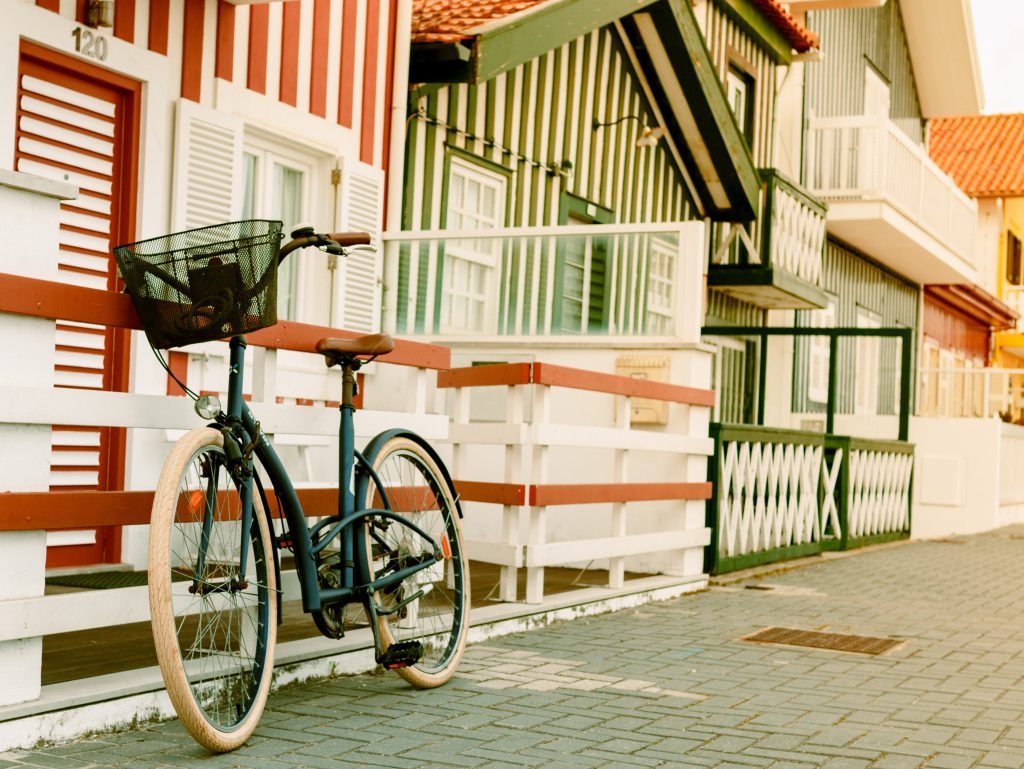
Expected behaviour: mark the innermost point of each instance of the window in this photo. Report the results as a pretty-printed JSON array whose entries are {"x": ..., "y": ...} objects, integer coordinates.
[
  {"x": 1013, "y": 260},
  {"x": 867, "y": 366},
  {"x": 476, "y": 200},
  {"x": 818, "y": 352},
  {"x": 581, "y": 275},
  {"x": 661, "y": 271},
  {"x": 739, "y": 88},
  {"x": 276, "y": 184}
]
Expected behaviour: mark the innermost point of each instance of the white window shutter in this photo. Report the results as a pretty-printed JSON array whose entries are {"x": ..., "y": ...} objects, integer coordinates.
[
  {"x": 207, "y": 167},
  {"x": 361, "y": 202}
]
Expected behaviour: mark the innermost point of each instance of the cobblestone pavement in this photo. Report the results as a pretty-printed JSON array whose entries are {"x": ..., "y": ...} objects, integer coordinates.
[{"x": 671, "y": 685}]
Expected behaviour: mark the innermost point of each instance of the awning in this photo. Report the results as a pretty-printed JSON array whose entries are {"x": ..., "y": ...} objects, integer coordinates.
[{"x": 976, "y": 303}]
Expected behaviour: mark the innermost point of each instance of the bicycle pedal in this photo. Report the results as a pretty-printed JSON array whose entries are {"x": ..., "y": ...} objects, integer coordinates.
[{"x": 401, "y": 655}]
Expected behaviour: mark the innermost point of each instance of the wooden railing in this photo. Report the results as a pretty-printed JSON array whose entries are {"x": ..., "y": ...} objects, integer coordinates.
[
  {"x": 27, "y": 411},
  {"x": 525, "y": 478},
  {"x": 781, "y": 494},
  {"x": 789, "y": 232}
]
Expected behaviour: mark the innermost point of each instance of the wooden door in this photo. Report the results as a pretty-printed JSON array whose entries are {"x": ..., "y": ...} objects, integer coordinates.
[{"x": 78, "y": 123}]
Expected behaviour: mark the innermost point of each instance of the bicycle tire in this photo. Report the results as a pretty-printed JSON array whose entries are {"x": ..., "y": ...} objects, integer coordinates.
[
  {"x": 214, "y": 635},
  {"x": 440, "y": 619}
]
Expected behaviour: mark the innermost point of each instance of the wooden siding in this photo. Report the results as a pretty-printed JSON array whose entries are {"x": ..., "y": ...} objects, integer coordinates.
[
  {"x": 527, "y": 123},
  {"x": 953, "y": 330},
  {"x": 727, "y": 42},
  {"x": 835, "y": 86},
  {"x": 326, "y": 58},
  {"x": 856, "y": 282}
]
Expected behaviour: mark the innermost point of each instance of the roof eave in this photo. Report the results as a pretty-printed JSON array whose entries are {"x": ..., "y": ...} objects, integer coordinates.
[{"x": 940, "y": 35}]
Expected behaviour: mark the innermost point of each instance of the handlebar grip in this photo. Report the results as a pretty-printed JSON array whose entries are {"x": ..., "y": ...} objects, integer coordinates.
[{"x": 346, "y": 239}]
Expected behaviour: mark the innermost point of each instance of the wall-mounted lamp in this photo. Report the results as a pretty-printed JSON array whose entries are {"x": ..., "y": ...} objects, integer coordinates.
[
  {"x": 99, "y": 13},
  {"x": 648, "y": 136}
]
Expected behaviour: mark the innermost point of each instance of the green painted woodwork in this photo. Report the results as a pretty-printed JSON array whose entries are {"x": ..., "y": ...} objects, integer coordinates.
[
  {"x": 762, "y": 282},
  {"x": 766, "y": 286},
  {"x": 732, "y": 164},
  {"x": 536, "y": 121},
  {"x": 715, "y": 563},
  {"x": 856, "y": 282},
  {"x": 906, "y": 336},
  {"x": 522, "y": 37},
  {"x": 752, "y": 20},
  {"x": 848, "y": 444},
  {"x": 598, "y": 288}
]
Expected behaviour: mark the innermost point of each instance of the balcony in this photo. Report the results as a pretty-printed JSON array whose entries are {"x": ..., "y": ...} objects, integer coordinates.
[
  {"x": 889, "y": 200},
  {"x": 776, "y": 264},
  {"x": 601, "y": 281}
]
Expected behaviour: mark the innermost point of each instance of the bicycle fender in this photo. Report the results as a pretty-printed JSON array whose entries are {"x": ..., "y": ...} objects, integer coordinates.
[{"x": 371, "y": 449}]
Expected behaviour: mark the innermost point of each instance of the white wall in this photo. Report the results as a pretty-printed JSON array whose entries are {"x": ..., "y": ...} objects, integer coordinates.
[
  {"x": 29, "y": 219},
  {"x": 957, "y": 469},
  {"x": 990, "y": 226}
]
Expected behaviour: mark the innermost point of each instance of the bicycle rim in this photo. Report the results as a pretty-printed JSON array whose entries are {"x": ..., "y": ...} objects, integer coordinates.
[
  {"x": 438, "y": 619},
  {"x": 214, "y": 627}
]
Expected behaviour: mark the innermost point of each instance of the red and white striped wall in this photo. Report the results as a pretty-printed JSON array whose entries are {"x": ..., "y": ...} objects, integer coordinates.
[{"x": 330, "y": 59}]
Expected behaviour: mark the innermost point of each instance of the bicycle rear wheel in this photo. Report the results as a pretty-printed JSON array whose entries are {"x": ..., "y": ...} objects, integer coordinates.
[
  {"x": 214, "y": 628},
  {"x": 438, "y": 619}
]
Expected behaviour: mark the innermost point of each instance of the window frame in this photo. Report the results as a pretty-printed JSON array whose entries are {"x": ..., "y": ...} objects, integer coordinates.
[
  {"x": 456, "y": 158},
  {"x": 298, "y": 279},
  {"x": 588, "y": 212},
  {"x": 818, "y": 347},
  {"x": 867, "y": 381}
]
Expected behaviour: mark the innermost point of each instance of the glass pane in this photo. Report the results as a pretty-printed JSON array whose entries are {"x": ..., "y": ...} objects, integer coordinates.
[
  {"x": 249, "y": 167},
  {"x": 488, "y": 206},
  {"x": 287, "y": 205}
]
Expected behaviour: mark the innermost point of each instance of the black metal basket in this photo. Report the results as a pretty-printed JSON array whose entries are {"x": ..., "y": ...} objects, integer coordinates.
[{"x": 203, "y": 284}]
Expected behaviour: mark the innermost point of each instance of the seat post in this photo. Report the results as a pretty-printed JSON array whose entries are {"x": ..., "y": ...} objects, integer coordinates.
[{"x": 348, "y": 385}]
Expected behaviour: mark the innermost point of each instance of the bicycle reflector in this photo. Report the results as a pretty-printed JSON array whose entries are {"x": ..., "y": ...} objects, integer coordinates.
[{"x": 208, "y": 406}]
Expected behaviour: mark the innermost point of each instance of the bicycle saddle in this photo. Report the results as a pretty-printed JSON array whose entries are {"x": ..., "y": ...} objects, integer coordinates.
[{"x": 371, "y": 344}]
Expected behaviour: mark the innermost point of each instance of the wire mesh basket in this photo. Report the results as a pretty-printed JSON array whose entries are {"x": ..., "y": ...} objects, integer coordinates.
[{"x": 203, "y": 284}]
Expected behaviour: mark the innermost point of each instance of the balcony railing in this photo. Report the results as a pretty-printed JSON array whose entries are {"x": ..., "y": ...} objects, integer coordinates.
[
  {"x": 865, "y": 158},
  {"x": 605, "y": 280},
  {"x": 758, "y": 263},
  {"x": 971, "y": 392}
]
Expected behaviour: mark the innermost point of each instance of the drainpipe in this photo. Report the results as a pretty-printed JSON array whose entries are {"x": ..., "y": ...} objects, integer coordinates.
[{"x": 396, "y": 160}]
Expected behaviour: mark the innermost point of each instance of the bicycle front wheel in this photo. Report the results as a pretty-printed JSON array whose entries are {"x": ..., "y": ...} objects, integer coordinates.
[
  {"x": 214, "y": 626},
  {"x": 438, "y": 617}
]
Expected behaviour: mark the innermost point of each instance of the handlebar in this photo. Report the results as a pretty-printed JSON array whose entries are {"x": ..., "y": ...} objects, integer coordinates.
[{"x": 333, "y": 243}]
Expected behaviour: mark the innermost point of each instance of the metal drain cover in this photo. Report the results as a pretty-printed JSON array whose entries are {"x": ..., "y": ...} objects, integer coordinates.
[{"x": 857, "y": 644}]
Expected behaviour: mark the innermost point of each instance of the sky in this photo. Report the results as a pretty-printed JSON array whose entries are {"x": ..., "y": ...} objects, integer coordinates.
[{"x": 999, "y": 29}]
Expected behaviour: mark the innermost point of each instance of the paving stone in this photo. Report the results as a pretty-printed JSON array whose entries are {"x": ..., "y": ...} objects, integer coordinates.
[{"x": 618, "y": 690}]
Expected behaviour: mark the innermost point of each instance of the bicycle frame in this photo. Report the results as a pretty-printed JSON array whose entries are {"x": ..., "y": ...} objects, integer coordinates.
[{"x": 355, "y": 583}]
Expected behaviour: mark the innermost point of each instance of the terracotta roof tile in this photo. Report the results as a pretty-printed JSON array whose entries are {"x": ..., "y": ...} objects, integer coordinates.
[
  {"x": 448, "y": 21},
  {"x": 983, "y": 153},
  {"x": 801, "y": 38}
]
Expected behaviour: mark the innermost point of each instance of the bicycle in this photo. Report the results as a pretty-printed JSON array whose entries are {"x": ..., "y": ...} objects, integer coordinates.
[{"x": 394, "y": 545}]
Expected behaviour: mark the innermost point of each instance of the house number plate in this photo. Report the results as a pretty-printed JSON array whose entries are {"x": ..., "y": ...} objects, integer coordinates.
[{"x": 88, "y": 43}]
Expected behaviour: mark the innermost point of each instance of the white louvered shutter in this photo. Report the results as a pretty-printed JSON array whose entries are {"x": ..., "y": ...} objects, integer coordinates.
[
  {"x": 66, "y": 134},
  {"x": 207, "y": 166},
  {"x": 362, "y": 202}
]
